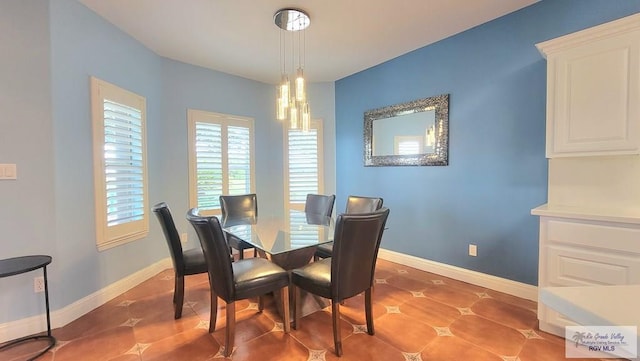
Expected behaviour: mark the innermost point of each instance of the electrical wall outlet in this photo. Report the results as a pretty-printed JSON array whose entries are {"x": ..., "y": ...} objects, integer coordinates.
[
  {"x": 184, "y": 237},
  {"x": 473, "y": 250},
  {"x": 38, "y": 284}
]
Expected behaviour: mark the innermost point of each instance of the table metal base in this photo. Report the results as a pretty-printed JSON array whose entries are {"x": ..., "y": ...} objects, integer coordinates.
[
  {"x": 19, "y": 265},
  {"x": 16, "y": 342}
]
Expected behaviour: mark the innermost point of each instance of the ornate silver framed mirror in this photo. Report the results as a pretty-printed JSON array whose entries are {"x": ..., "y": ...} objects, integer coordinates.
[{"x": 408, "y": 134}]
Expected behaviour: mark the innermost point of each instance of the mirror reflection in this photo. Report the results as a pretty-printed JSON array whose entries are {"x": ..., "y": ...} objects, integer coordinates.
[{"x": 413, "y": 133}]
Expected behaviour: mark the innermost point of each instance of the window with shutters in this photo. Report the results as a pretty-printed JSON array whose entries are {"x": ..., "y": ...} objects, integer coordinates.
[
  {"x": 303, "y": 165},
  {"x": 221, "y": 158},
  {"x": 120, "y": 167}
]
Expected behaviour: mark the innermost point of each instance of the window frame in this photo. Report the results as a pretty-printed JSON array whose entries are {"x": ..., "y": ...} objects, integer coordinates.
[
  {"x": 318, "y": 126},
  {"x": 224, "y": 120},
  {"x": 112, "y": 236}
]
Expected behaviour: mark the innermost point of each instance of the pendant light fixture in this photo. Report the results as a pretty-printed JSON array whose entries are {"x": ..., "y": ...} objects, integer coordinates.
[{"x": 292, "y": 104}]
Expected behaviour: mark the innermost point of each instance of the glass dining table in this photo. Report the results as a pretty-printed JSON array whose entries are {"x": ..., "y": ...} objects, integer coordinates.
[{"x": 288, "y": 240}]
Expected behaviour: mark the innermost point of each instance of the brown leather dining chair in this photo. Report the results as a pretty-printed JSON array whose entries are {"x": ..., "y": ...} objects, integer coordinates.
[
  {"x": 185, "y": 262},
  {"x": 348, "y": 272},
  {"x": 355, "y": 205},
  {"x": 233, "y": 281},
  {"x": 239, "y": 206}
]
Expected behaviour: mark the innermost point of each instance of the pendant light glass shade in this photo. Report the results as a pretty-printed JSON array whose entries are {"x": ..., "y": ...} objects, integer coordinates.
[
  {"x": 306, "y": 117},
  {"x": 281, "y": 109},
  {"x": 293, "y": 117},
  {"x": 300, "y": 90},
  {"x": 285, "y": 92}
]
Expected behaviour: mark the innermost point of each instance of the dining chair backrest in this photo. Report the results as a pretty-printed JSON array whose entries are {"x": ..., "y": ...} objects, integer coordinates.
[
  {"x": 216, "y": 253},
  {"x": 355, "y": 251},
  {"x": 239, "y": 206},
  {"x": 359, "y": 204},
  {"x": 319, "y": 204},
  {"x": 170, "y": 234}
]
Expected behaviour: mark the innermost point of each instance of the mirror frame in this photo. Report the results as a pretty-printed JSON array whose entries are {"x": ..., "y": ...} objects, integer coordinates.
[{"x": 440, "y": 156}]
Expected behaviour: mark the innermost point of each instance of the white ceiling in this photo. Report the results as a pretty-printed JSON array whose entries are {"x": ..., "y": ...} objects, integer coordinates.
[{"x": 345, "y": 36}]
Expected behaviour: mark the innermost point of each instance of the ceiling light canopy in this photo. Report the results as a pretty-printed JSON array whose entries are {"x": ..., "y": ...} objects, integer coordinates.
[
  {"x": 291, "y": 19},
  {"x": 292, "y": 103}
]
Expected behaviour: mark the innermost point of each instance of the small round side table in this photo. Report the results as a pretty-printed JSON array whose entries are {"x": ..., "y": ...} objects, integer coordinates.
[{"x": 15, "y": 266}]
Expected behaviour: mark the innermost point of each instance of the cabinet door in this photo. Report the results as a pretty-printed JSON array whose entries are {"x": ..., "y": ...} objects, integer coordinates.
[{"x": 593, "y": 98}]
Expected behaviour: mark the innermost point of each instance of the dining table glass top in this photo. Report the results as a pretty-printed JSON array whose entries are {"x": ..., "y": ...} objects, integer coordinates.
[{"x": 282, "y": 233}]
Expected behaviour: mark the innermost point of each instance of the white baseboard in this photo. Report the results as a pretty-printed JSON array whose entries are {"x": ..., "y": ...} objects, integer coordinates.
[
  {"x": 504, "y": 285},
  {"x": 36, "y": 324}
]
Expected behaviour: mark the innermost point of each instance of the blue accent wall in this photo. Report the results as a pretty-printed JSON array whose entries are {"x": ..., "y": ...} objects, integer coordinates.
[{"x": 497, "y": 168}]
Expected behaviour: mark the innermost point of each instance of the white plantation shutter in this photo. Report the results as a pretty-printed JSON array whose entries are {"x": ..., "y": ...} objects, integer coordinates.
[
  {"x": 123, "y": 163},
  {"x": 239, "y": 146},
  {"x": 303, "y": 170},
  {"x": 220, "y": 158},
  {"x": 120, "y": 169},
  {"x": 303, "y": 160},
  {"x": 208, "y": 164},
  {"x": 303, "y": 164}
]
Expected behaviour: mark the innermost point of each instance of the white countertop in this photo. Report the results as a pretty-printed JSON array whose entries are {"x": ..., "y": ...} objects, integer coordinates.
[
  {"x": 593, "y": 214},
  {"x": 596, "y": 305}
]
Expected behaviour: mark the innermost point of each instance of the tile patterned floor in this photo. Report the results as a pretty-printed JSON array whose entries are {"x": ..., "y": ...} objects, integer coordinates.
[{"x": 419, "y": 316}]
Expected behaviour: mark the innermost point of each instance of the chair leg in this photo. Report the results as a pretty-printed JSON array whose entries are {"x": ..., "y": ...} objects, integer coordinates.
[
  {"x": 295, "y": 291},
  {"x": 368, "y": 310},
  {"x": 241, "y": 253},
  {"x": 255, "y": 252},
  {"x": 285, "y": 309},
  {"x": 337, "y": 338},
  {"x": 214, "y": 311},
  {"x": 260, "y": 303},
  {"x": 178, "y": 296},
  {"x": 230, "y": 331}
]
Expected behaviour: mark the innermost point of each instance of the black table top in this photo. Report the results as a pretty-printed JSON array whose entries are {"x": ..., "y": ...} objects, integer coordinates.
[{"x": 17, "y": 265}]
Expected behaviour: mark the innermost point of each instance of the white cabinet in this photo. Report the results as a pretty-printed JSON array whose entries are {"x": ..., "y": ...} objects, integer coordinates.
[
  {"x": 584, "y": 248},
  {"x": 593, "y": 90},
  {"x": 590, "y": 228}
]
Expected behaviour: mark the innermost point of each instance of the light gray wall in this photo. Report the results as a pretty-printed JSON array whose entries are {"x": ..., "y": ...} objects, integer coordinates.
[
  {"x": 85, "y": 45},
  {"x": 50, "y": 49},
  {"x": 27, "y": 221}
]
